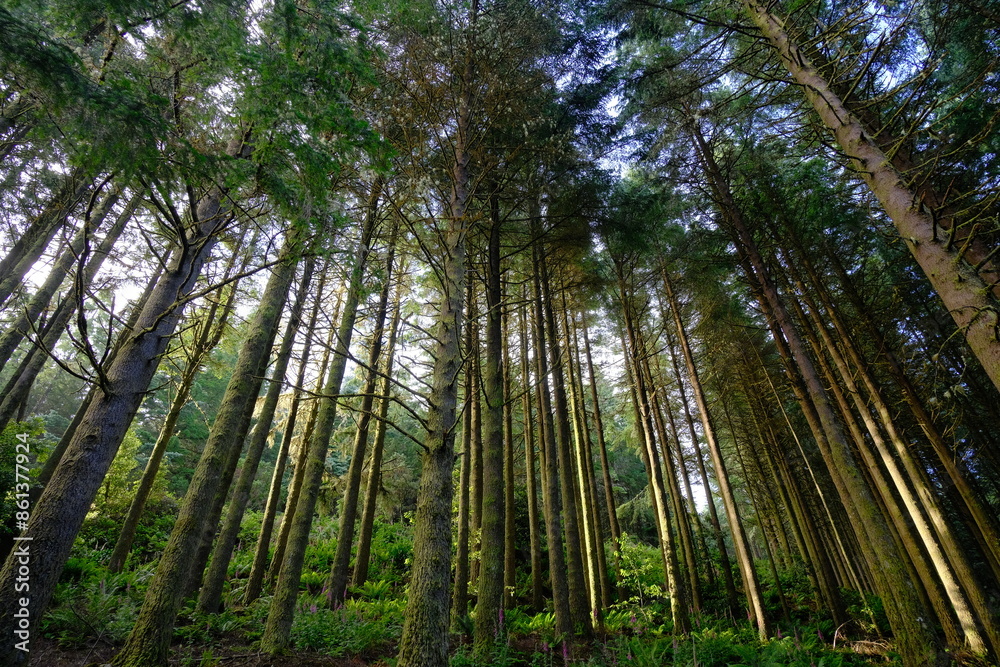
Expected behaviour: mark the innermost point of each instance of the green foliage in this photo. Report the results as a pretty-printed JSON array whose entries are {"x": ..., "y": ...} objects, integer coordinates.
[
  {"x": 119, "y": 484},
  {"x": 99, "y": 532},
  {"x": 641, "y": 570},
  {"x": 30, "y": 433},
  {"x": 391, "y": 552},
  {"x": 91, "y": 605},
  {"x": 349, "y": 630}
]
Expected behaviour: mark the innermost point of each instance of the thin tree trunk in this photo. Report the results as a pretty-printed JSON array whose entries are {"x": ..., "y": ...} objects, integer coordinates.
[
  {"x": 33, "y": 240},
  {"x": 551, "y": 495},
  {"x": 282, "y": 609},
  {"x": 534, "y": 527},
  {"x": 295, "y": 486},
  {"x": 211, "y": 330},
  {"x": 210, "y": 596},
  {"x": 580, "y": 611},
  {"x": 460, "y": 592},
  {"x": 907, "y": 614},
  {"x": 148, "y": 644},
  {"x": 336, "y": 583},
  {"x": 78, "y": 250},
  {"x": 751, "y": 584},
  {"x": 489, "y": 604},
  {"x": 363, "y": 555},
  {"x": 255, "y": 581}
]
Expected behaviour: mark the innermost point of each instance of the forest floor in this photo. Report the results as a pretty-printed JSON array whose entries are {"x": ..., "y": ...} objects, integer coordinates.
[
  {"x": 526, "y": 651},
  {"x": 50, "y": 654}
]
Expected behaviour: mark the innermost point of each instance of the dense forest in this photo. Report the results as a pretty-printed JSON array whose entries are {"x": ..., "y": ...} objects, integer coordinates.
[{"x": 500, "y": 332}]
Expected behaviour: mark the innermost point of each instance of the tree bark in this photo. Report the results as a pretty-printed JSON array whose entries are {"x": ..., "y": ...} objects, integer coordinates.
[
  {"x": 149, "y": 642},
  {"x": 964, "y": 292},
  {"x": 489, "y": 604},
  {"x": 751, "y": 584},
  {"x": 61, "y": 509}
]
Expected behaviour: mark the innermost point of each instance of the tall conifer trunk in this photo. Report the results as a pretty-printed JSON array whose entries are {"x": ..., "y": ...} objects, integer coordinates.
[
  {"x": 971, "y": 302},
  {"x": 62, "y": 507},
  {"x": 149, "y": 642}
]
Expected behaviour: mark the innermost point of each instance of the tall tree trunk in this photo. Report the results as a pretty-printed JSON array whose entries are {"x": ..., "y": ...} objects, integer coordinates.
[
  {"x": 948, "y": 558},
  {"x": 60, "y": 511},
  {"x": 634, "y": 357},
  {"x": 336, "y": 583},
  {"x": 33, "y": 240},
  {"x": 210, "y": 332},
  {"x": 586, "y": 456},
  {"x": 713, "y": 513},
  {"x": 580, "y": 610},
  {"x": 970, "y": 300},
  {"x": 551, "y": 496},
  {"x": 295, "y": 485},
  {"x": 425, "y": 628},
  {"x": 460, "y": 592},
  {"x": 489, "y": 603},
  {"x": 510, "y": 523},
  {"x": 77, "y": 251},
  {"x": 751, "y": 584},
  {"x": 983, "y": 525},
  {"x": 531, "y": 484},
  {"x": 16, "y": 391},
  {"x": 148, "y": 644},
  {"x": 602, "y": 447},
  {"x": 210, "y": 596}
]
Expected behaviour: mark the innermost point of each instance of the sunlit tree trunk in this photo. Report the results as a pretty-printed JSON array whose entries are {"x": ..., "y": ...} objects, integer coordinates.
[
  {"x": 531, "y": 484},
  {"x": 576, "y": 576},
  {"x": 336, "y": 583},
  {"x": 971, "y": 302},
  {"x": 295, "y": 485},
  {"x": 907, "y": 614},
  {"x": 255, "y": 581},
  {"x": 551, "y": 495},
  {"x": 460, "y": 591},
  {"x": 282, "y": 609}
]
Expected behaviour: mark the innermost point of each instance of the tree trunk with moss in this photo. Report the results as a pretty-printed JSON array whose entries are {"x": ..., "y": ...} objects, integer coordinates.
[
  {"x": 282, "y": 609},
  {"x": 336, "y": 583},
  {"x": 149, "y": 642},
  {"x": 967, "y": 296},
  {"x": 489, "y": 603}
]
